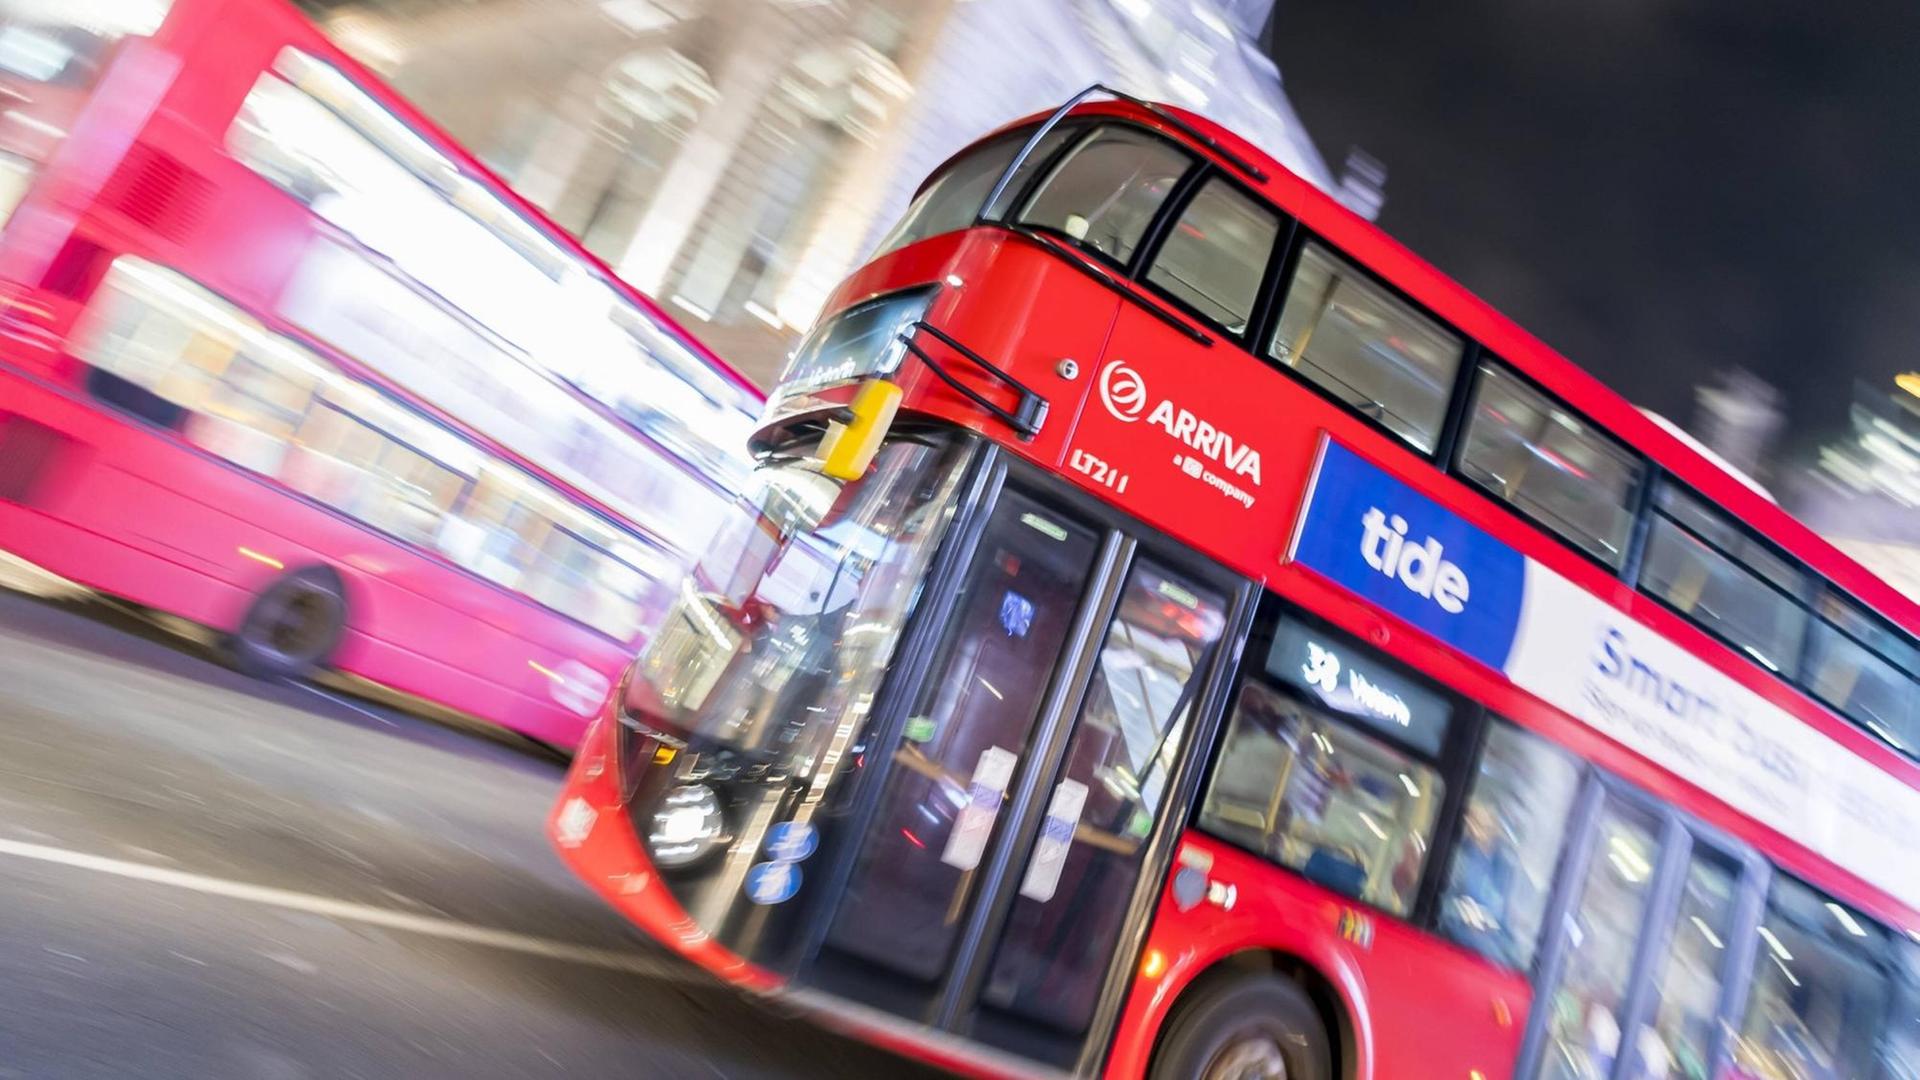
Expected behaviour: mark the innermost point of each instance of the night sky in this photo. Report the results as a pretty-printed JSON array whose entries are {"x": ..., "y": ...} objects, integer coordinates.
[{"x": 1657, "y": 189}]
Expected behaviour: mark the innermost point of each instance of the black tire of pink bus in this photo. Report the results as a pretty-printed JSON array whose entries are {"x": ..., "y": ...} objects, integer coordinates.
[
  {"x": 293, "y": 625},
  {"x": 1252, "y": 1027}
]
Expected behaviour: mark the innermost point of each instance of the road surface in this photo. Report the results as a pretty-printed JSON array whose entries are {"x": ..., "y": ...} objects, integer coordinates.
[{"x": 204, "y": 876}]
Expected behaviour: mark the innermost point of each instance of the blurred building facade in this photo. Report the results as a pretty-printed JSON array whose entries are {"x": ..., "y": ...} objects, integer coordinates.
[
  {"x": 1862, "y": 493},
  {"x": 735, "y": 158},
  {"x": 1739, "y": 416}
]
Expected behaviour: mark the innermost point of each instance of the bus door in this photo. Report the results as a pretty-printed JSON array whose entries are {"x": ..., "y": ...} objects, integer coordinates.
[
  {"x": 996, "y": 880},
  {"x": 1656, "y": 918}
]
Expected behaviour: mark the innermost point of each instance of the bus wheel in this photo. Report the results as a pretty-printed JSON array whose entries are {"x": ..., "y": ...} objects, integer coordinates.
[
  {"x": 293, "y": 625},
  {"x": 1258, "y": 1028}
]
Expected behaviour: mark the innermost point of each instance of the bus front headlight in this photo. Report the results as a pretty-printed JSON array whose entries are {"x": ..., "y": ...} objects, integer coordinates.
[{"x": 687, "y": 825}]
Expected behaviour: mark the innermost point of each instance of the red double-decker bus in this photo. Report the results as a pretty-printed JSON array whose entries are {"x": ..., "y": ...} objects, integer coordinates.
[
  {"x": 1243, "y": 653},
  {"x": 278, "y": 357}
]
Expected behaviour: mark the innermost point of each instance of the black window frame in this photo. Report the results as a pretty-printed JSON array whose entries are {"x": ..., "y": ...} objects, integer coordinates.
[{"x": 1638, "y": 501}]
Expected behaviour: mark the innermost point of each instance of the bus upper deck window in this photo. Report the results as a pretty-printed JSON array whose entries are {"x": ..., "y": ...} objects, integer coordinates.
[
  {"x": 955, "y": 197},
  {"x": 1108, "y": 189},
  {"x": 1215, "y": 256},
  {"x": 1860, "y": 666},
  {"x": 1703, "y": 564},
  {"x": 1366, "y": 347},
  {"x": 1525, "y": 449}
]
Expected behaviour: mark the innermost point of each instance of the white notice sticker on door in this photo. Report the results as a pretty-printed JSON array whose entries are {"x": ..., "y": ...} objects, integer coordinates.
[
  {"x": 975, "y": 821},
  {"x": 1056, "y": 839}
]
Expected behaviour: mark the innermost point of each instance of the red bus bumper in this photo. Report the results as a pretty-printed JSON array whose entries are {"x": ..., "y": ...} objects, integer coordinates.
[{"x": 589, "y": 828}]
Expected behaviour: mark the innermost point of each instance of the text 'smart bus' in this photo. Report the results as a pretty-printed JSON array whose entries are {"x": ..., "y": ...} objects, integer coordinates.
[
  {"x": 1245, "y": 654},
  {"x": 278, "y": 357}
]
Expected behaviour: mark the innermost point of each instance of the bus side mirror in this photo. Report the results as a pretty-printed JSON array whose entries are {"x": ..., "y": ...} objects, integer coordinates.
[{"x": 848, "y": 446}]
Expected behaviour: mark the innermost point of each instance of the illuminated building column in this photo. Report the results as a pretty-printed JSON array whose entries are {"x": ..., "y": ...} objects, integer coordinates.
[
  {"x": 754, "y": 61},
  {"x": 846, "y": 214}
]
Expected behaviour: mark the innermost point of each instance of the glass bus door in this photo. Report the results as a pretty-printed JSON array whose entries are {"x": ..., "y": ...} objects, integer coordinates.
[
  {"x": 1041, "y": 975},
  {"x": 998, "y": 867},
  {"x": 960, "y": 751},
  {"x": 1643, "y": 972}
]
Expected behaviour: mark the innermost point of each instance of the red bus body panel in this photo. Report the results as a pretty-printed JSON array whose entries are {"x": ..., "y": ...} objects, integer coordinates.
[{"x": 609, "y": 858}]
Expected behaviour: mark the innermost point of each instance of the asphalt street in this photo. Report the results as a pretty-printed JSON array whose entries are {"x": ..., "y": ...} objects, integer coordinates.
[{"x": 206, "y": 876}]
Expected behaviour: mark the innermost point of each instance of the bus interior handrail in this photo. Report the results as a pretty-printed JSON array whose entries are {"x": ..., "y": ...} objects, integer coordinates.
[{"x": 1052, "y": 242}]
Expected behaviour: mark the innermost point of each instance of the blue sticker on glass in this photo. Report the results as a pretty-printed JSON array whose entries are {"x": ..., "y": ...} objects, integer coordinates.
[
  {"x": 772, "y": 882},
  {"x": 792, "y": 841},
  {"x": 1058, "y": 829},
  {"x": 1366, "y": 530},
  {"x": 1016, "y": 614}
]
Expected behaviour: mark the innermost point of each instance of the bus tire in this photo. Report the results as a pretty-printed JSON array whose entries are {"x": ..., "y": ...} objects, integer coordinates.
[
  {"x": 1260, "y": 1027},
  {"x": 293, "y": 625}
]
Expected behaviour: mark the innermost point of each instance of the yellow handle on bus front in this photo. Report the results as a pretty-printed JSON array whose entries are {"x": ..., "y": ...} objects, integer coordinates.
[{"x": 848, "y": 448}]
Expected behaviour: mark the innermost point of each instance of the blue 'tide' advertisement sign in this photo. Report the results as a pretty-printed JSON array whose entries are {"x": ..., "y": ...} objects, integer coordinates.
[{"x": 1369, "y": 532}]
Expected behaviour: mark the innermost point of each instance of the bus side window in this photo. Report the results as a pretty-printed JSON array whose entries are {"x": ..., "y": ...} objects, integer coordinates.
[
  {"x": 1108, "y": 189},
  {"x": 1215, "y": 256},
  {"x": 1704, "y": 565},
  {"x": 1502, "y": 872},
  {"x": 1372, "y": 350},
  {"x": 1864, "y": 668},
  {"x": 1342, "y": 808},
  {"x": 1524, "y": 449},
  {"x": 1820, "y": 997}
]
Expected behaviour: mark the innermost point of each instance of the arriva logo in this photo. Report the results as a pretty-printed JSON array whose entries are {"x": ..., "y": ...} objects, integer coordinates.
[
  {"x": 1124, "y": 393},
  {"x": 1383, "y": 543}
]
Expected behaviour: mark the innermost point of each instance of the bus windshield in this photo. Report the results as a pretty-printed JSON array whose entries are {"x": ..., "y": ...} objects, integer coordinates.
[{"x": 787, "y": 642}]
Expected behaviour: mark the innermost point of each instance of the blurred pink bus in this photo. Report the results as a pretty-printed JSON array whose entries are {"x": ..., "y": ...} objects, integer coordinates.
[{"x": 277, "y": 357}]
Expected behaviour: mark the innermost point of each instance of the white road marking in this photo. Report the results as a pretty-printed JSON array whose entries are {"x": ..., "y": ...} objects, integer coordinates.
[
  {"x": 347, "y": 911},
  {"x": 301, "y": 684}
]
